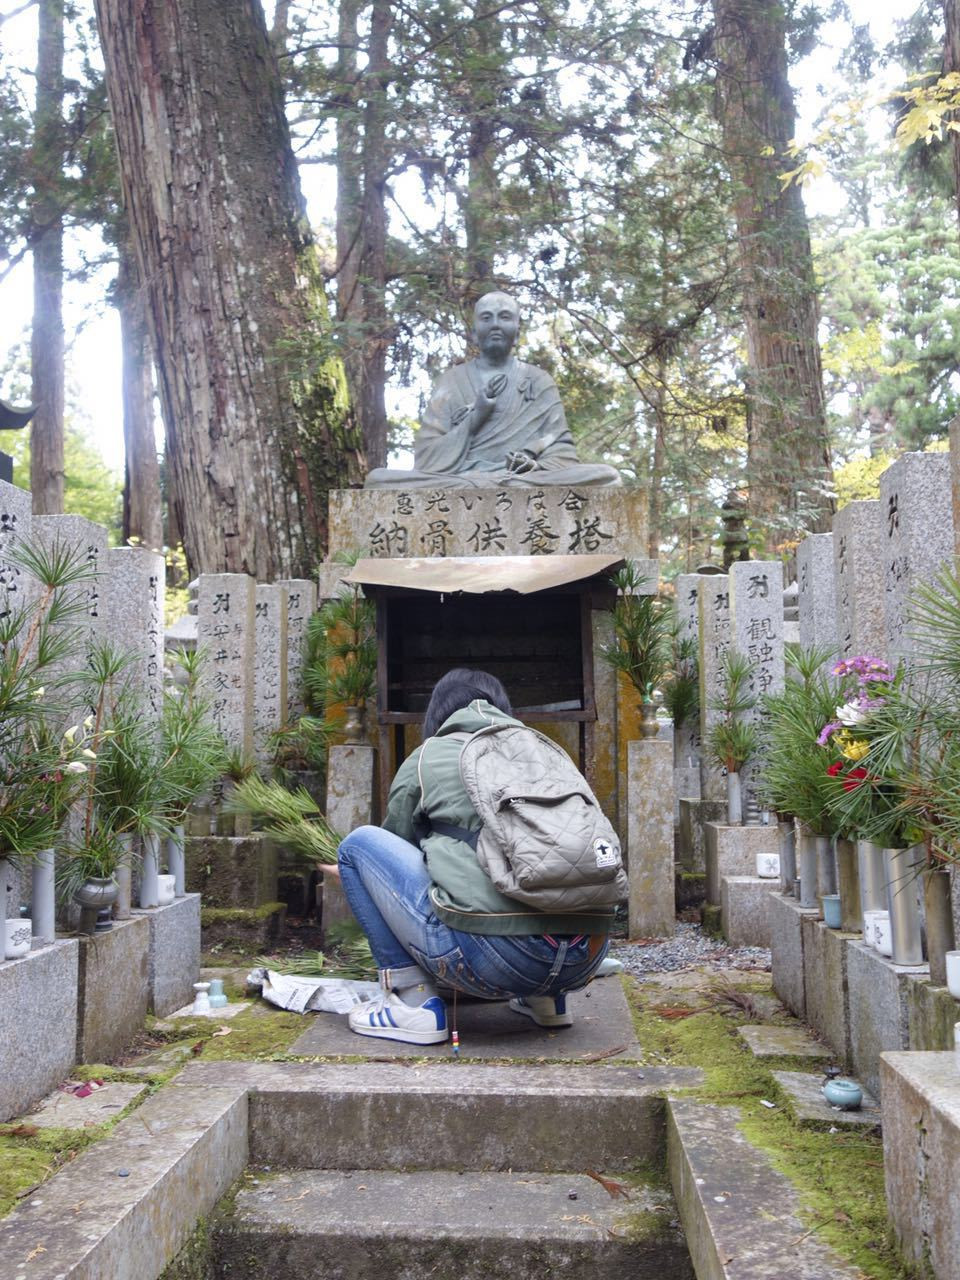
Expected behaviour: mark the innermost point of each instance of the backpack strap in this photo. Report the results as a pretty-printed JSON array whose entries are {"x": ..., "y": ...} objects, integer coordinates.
[{"x": 426, "y": 826}]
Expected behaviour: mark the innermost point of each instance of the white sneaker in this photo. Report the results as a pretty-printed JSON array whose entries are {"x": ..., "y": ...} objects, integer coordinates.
[
  {"x": 546, "y": 1011},
  {"x": 387, "y": 1018}
]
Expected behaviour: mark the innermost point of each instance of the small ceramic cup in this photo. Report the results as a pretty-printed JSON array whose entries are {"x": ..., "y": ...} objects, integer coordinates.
[
  {"x": 17, "y": 934},
  {"x": 768, "y": 866},
  {"x": 883, "y": 937},
  {"x": 166, "y": 890},
  {"x": 953, "y": 973},
  {"x": 831, "y": 910},
  {"x": 869, "y": 936}
]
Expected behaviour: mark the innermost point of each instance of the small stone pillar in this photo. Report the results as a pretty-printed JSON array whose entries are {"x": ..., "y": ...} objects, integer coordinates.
[
  {"x": 351, "y": 776},
  {"x": 651, "y": 909}
]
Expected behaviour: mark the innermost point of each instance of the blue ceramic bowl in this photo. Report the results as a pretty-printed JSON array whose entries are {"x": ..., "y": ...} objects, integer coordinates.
[{"x": 845, "y": 1094}]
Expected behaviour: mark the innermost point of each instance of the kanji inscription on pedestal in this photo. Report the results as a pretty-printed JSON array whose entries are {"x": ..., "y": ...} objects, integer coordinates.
[{"x": 225, "y": 631}]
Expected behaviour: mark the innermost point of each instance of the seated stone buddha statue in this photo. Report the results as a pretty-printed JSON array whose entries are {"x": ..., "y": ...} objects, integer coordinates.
[{"x": 494, "y": 420}]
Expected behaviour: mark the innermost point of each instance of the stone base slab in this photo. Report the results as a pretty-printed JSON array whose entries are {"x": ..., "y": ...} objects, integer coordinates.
[
  {"x": 652, "y": 905},
  {"x": 38, "y": 1024},
  {"x": 826, "y": 995},
  {"x": 66, "y": 1111},
  {"x": 931, "y": 1015},
  {"x": 879, "y": 1009},
  {"x": 232, "y": 871},
  {"x": 769, "y": 1041},
  {"x": 921, "y": 1157},
  {"x": 786, "y": 951},
  {"x": 694, "y": 815},
  {"x": 173, "y": 960},
  {"x": 183, "y": 1149},
  {"x": 113, "y": 989},
  {"x": 805, "y": 1092},
  {"x": 744, "y": 904},
  {"x": 732, "y": 851}
]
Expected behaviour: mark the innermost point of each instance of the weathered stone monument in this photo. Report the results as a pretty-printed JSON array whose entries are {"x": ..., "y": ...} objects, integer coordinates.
[
  {"x": 858, "y": 557},
  {"x": 817, "y": 592},
  {"x": 301, "y": 604},
  {"x": 756, "y": 632},
  {"x": 270, "y": 667},
  {"x": 132, "y": 586},
  {"x": 714, "y": 635},
  {"x": 226, "y": 611}
]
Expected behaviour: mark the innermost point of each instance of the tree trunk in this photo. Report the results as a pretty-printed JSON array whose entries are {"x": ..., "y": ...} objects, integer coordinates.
[
  {"x": 142, "y": 515},
  {"x": 255, "y": 406},
  {"x": 481, "y": 195},
  {"x": 951, "y": 63},
  {"x": 372, "y": 405},
  {"x": 47, "y": 345},
  {"x": 789, "y": 465}
]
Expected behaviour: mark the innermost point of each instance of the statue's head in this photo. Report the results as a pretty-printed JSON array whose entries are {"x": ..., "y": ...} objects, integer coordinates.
[{"x": 496, "y": 323}]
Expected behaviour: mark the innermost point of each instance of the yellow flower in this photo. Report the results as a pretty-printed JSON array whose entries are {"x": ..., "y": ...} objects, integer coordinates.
[{"x": 855, "y": 749}]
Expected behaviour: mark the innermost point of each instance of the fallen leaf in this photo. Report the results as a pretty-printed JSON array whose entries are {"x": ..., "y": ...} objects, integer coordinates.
[
  {"x": 222, "y": 1031},
  {"x": 673, "y": 1011},
  {"x": 618, "y": 1190},
  {"x": 198, "y": 1047},
  {"x": 35, "y": 1253},
  {"x": 604, "y": 1053},
  {"x": 20, "y": 1130}
]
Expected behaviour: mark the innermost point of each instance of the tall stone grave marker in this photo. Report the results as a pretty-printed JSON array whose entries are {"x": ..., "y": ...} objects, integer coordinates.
[
  {"x": 132, "y": 587},
  {"x": 714, "y": 628},
  {"x": 756, "y": 632},
  {"x": 226, "y": 605},
  {"x": 686, "y": 740},
  {"x": 16, "y": 507},
  {"x": 858, "y": 551},
  {"x": 301, "y": 605},
  {"x": 270, "y": 667},
  {"x": 955, "y": 481},
  {"x": 817, "y": 592},
  {"x": 916, "y": 506},
  {"x": 90, "y": 540}
]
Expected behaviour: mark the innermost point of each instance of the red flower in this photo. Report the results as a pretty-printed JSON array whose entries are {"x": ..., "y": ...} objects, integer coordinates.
[
  {"x": 854, "y": 778},
  {"x": 834, "y": 769}
]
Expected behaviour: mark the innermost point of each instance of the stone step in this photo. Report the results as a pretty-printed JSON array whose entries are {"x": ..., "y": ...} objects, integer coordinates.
[
  {"x": 448, "y": 1226},
  {"x": 744, "y": 909},
  {"x": 741, "y": 1217},
  {"x": 395, "y": 1115}
]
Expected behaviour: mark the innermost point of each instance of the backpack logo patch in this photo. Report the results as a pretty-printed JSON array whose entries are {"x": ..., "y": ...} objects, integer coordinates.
[{"x": 605, "y": 853}]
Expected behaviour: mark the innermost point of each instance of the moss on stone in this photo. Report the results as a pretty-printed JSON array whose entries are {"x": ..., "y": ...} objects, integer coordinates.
[
  {"x": 261, "y": 1032},
  {"x": 29, "y": 1159},
  {"x": 711, "y": 918},
  {"x": 239, "y": 915}
]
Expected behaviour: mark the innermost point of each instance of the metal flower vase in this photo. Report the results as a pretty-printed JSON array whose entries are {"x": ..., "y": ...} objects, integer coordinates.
[
  {"x": 903, "y": 867},
  {"x": 649, "y": 727},
  {"x": 938, "y": 914},
  {"x": 788, "y": 854},
  {"x": 734, "y": 801},
  {"x": 873, "y": 878},
  {"x": 93, "y": 895},
  {"x": 826, "y": 867},
  {"x": 807, "y": 862},
  {"x": 848, "y": 885}
]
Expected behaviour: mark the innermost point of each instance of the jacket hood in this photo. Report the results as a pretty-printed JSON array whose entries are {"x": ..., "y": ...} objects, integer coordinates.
[{"x": 476, "y": 715}]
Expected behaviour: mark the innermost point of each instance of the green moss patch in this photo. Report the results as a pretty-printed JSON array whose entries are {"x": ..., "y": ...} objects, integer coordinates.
[
  {"x": 26, "y": 1159},
  {"x": 838, "y": 1176},
  {"x": 262, "y": 1032}
]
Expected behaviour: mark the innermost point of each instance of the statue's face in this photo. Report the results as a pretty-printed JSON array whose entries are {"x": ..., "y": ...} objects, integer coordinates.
[{"x": 496, "y": 323}]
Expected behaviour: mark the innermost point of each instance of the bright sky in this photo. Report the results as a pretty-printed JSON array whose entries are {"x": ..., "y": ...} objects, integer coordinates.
[{"x": 94, "y": 357}]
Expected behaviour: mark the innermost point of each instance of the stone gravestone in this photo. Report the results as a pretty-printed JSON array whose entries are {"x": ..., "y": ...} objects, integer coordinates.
[
  {"x": 270, "y": 668},
  {"x": 756, "y": 632},
  {"x": 686, "y": 742},
  {"x": 955, "y": 481},
  {"x": 16, "y": 508},
  {"x": 90, "y": 540},
  {"x": 132, "y": 590},
  {"x": 714, "y": 629},
  {"x": 225, "y": 630},
  {"x": 916, "y": 509},
  {"x": 301, "y": 605},
  {"x": 858, "y": 553},
  {"x": 817, "y": 592}
]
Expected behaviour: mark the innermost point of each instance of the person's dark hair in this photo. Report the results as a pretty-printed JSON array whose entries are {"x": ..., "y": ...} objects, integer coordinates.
[{"x": 457, "y": 689}]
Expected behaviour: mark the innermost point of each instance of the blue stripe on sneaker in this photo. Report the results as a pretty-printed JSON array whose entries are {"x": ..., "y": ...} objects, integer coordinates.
[{"x": 390, "y": 1018}]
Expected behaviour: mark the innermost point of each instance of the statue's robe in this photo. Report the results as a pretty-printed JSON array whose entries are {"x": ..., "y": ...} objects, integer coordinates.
[{"x": 527, "y": 416}]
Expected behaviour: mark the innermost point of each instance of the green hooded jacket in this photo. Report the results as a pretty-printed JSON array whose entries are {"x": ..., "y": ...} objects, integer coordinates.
[{"x": 428, "y": 786}]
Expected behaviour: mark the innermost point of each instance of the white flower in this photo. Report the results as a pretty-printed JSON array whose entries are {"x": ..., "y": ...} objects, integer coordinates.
[
  {"x": 850, "y": 714},
  {"x": 88, "y": 723},
  {"x": 71, "y": 734},
  {"x": 75, "y": 766},
  {"x": 38, "y": 693},
  {"x": 91, "y": 755}
]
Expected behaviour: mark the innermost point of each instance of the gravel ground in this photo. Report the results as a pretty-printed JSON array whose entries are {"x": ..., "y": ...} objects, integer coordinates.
[{"x": 690, "y": 948}]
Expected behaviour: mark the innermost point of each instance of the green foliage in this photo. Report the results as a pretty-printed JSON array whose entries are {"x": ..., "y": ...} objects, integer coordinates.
[
  {"x": 91, "y": 488},
  {"x": 341, "y": 664},
  {"x": 681, "y": 686},
  {"x": 732, "y": 740},
  {"x": 192, "y": 753},
  {"x": 859, "y": 479},
  {"x": 292, "y": 817},
  {"x": 643, "y": 632}
]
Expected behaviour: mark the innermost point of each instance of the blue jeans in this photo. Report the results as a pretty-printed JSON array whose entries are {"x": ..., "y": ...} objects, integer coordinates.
[{"x": 387, "y": 885}]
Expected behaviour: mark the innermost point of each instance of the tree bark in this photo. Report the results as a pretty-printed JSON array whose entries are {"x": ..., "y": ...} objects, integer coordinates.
[
  {"x": 951, "y": 62},
  {"x": 254, "y": 404},
  {"x": 142, "y": 508},
  {"x": 481, "y": 195},
  {"x": 47, "y": 343},
  {"x": 789, "y": 464}
]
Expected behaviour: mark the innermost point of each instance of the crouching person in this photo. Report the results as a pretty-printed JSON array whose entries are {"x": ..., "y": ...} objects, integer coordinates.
[{"x": 432, "y": 911}]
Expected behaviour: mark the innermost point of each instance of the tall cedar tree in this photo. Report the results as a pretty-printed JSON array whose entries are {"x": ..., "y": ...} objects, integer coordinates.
[
  {"x": 47, "y": 342},
  {"x": 789, "y": 463},
  {"x": 254, "y": 403}
]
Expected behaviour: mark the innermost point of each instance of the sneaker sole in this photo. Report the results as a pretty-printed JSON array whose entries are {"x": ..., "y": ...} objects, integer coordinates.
[
  {"x": 403, "y": 1036},
  {"x": 551, "y": 1020}
]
